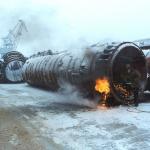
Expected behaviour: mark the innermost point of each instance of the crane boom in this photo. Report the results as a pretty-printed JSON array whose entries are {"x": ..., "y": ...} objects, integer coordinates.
[{"x": 10, "y": 42}]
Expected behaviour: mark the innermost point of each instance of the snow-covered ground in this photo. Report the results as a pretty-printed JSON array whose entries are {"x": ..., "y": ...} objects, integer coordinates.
[{"x": 32, "y": 118}]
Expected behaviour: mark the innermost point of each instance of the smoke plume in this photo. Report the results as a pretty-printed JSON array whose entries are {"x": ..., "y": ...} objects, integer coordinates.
[{"x": 72, "y": 25}]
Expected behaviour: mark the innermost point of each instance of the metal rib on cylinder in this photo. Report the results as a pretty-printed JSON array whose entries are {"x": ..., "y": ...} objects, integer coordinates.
[
  {"x": 108, "y": 60},
  {"x": 13, "y": 63}
]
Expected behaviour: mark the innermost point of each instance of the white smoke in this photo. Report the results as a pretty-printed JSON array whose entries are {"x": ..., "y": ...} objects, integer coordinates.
[
  {"x": 72, "y": 25},
  {"x": 71, "y": 95}
]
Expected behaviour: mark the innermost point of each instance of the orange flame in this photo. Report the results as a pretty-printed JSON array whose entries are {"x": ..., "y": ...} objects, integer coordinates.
[{"x": 102, "y": 86}]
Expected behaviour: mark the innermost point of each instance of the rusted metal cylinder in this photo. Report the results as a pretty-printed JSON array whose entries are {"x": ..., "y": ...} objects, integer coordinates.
[
  {"x": 12, "y": 68},
  {"x": 144, "y": 44},
  {"x": 107, "y": 60},
  {"x": 147, "y": 55}
]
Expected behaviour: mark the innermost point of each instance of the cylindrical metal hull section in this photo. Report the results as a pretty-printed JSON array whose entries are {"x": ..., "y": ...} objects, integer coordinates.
[
  {"x": 48, "y": 71},
  {"x": 98, "y": 61},
  {"x": 147, "y": 55},
  {"x": 13, "y": 63}
]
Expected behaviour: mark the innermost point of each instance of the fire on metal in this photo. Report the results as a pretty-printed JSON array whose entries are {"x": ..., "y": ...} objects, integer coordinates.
[{"x": 116, "y": 72}]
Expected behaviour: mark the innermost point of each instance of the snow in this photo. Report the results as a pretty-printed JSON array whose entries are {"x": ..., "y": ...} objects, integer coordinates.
[{"x": 76, "y": 127}]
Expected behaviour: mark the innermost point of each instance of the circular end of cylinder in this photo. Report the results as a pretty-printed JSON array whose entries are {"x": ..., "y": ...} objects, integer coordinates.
[
  {"x": 13, "y": 71},
  {"x": 13, "y": 63},
  {"x": 128, "y": 73}
]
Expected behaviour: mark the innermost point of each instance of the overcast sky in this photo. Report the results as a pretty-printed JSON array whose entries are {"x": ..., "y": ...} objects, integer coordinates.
[{"x": 71, "y": 24}]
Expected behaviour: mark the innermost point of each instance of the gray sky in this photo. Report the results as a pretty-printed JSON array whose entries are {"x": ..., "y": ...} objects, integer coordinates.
[{"x": 72, "y": 24}]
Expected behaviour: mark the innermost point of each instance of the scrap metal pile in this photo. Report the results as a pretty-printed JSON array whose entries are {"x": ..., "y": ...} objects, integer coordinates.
[{"x": 113, "y": 70}]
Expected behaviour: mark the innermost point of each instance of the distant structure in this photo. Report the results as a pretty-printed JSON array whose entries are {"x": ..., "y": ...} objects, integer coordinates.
[
  {"x": 144, "y": 44},
  {"x": 10, "y": 42}
]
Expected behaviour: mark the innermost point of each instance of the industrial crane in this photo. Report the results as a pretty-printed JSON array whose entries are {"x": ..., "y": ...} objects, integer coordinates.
[{"x": 10, "y": 42}]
